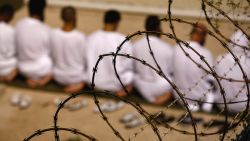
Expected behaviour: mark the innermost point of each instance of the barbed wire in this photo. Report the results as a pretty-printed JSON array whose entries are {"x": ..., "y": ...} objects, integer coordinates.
[{"x": 208, "y": 68}]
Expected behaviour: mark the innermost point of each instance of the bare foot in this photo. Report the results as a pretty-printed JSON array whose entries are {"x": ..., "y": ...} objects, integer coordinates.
[
  {"x": 11, "y": 76},
  {"x": 122, "y": 93},
  {"x": 162, "y": 99},
  {"x": 32, "y": 83},
  {"x": 45, "y": 80},
  {"x": 74, "y": 88}
]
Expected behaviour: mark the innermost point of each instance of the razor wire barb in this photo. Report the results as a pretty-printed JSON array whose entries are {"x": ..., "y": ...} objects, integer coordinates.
[{"x": 214, "y": 33}]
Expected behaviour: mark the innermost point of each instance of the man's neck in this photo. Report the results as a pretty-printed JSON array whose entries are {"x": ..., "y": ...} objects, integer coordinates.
[
  {"x": 154, "y": 35},
  {"x": 67, "y": 27},
  {"x": 109, "y": 27},
  {"x": 197, "y": 42},
  {"x": 2, "y": 19},
  {"x": 36, "y": 17}
]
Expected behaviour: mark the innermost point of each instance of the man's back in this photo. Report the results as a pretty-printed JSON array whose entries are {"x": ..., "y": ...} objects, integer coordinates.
[
  {"x": 8, "y": 59},
  {"x": 147, "y": 81},
  {"x": 7, "y": 43},
  {"x": 187, "y": 75},
  {"x": 68, "y": 51},
  {"x": 162, "y": 52},
  {"x": 227, "y": 67},
  {"x": 32, "y": 38},
  {"x": 102, "y": 42}
]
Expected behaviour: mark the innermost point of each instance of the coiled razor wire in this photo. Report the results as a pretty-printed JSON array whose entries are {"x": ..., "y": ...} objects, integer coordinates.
[{"x": 242, "y": 118}]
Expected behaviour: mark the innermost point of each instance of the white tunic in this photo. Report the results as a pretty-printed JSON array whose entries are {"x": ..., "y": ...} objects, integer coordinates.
[
  {"x": 187, "y": 74},
  {"x": 68, "y": 53},
  {"x": 101, "y": 42},
  {"x": 32, "y": 38},
  {"x": 232, "y": 89},
  {"x": 147, "y": 81},
  {"x": 8, "y": 59}
]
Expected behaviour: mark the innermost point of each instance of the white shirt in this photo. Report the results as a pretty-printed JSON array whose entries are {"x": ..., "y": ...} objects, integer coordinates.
[
  {"x": 147, "y": 81},
  {"x": 32, "y": 38},
  {"x": 102, "y": 42},
  {"x": 187, "y": 73},
  {"x": 232, "y": 89},
  {"x": 8, "y": 59},
  {"x": 68, "y": 51}
]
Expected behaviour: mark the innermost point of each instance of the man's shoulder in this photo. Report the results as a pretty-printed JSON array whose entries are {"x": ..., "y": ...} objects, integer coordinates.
[
  {"x": 27, "y": 21},
  {"x": 6, "y": 27},
  {"x": 22, "y": 20},
  {"x": 95, "y": 34},
  {"x": 224, "y": 57},
  {"x": 164, "y": 44},
  {"x": 120, "y": 35},
  {"x": 138, "y": 41},
  {"x": 79, "y": 34}
]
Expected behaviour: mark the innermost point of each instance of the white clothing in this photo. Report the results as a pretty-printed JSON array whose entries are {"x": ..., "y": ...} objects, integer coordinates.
[
  {"x": 68, "y": 51},
  {"x": 232, "y": 89},
  {"x": 8, "y": 61},
  {"x": 33, "y": 42},
  {"x": 187, "y": 74},
  {"x": 147, "y": 81},
  {"x": 102, "y": 42}
]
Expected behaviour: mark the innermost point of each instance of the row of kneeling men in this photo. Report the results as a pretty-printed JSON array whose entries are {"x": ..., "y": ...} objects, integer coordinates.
[{"x": 68, "y": 56}]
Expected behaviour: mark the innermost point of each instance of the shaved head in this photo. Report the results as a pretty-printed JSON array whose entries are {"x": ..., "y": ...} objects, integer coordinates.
[
  {"x": 199, "y": 33},
  {"x": 36, "y": 7},
  {"x": 199, "y": 28},
  {"x": 68, "y": 14},
  {"x": 112, "y": 16},
  {"x": 6, "y": 13},
  {"x": 153, "y": 23}
]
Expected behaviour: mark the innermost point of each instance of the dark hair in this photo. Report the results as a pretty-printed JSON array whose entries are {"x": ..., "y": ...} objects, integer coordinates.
[
  {"x": 68, "y": 14},
  {"x": 112, "y": 16},
  {"x": 152, "y": 23},
  {"x": 7, "y": 10},
  {"x": 36, "y": 7}
]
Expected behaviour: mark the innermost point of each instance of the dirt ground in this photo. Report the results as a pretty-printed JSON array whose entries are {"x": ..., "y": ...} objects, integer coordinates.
[{"x": 16, "y": 124}]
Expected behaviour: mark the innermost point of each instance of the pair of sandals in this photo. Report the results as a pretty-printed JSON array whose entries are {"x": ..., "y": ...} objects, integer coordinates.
[
  {"x": 206, "y": 107},
  {"x": 186, "y": 119},
  {"x": 23, "y": 102},
  {"x": 109, "y": 106},
  {"x": 73, "y": 106},
  {"x": 132, "y": 120}
]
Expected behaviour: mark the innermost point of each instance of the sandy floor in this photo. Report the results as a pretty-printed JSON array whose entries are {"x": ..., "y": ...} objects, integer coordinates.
[{"x": 17, "y": 124}]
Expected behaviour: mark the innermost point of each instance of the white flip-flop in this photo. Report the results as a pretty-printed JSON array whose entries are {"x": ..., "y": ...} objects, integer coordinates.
[
  {"x": 58, "y": 101},
  {"x": 134, "y": 123},
  {"x": 110, "y": 106},
  {"x": 106, "y": 107},
  {"x": 194, "y": 107},
  {"x": 120, "y": 105},
  {"x": 128, "y": 117},
  {"x": 15, "y": 99},
  {"x": 78, "y": 105},
  {"x": 207, "y": 107},
  {"x": 25, "y": 102}
]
